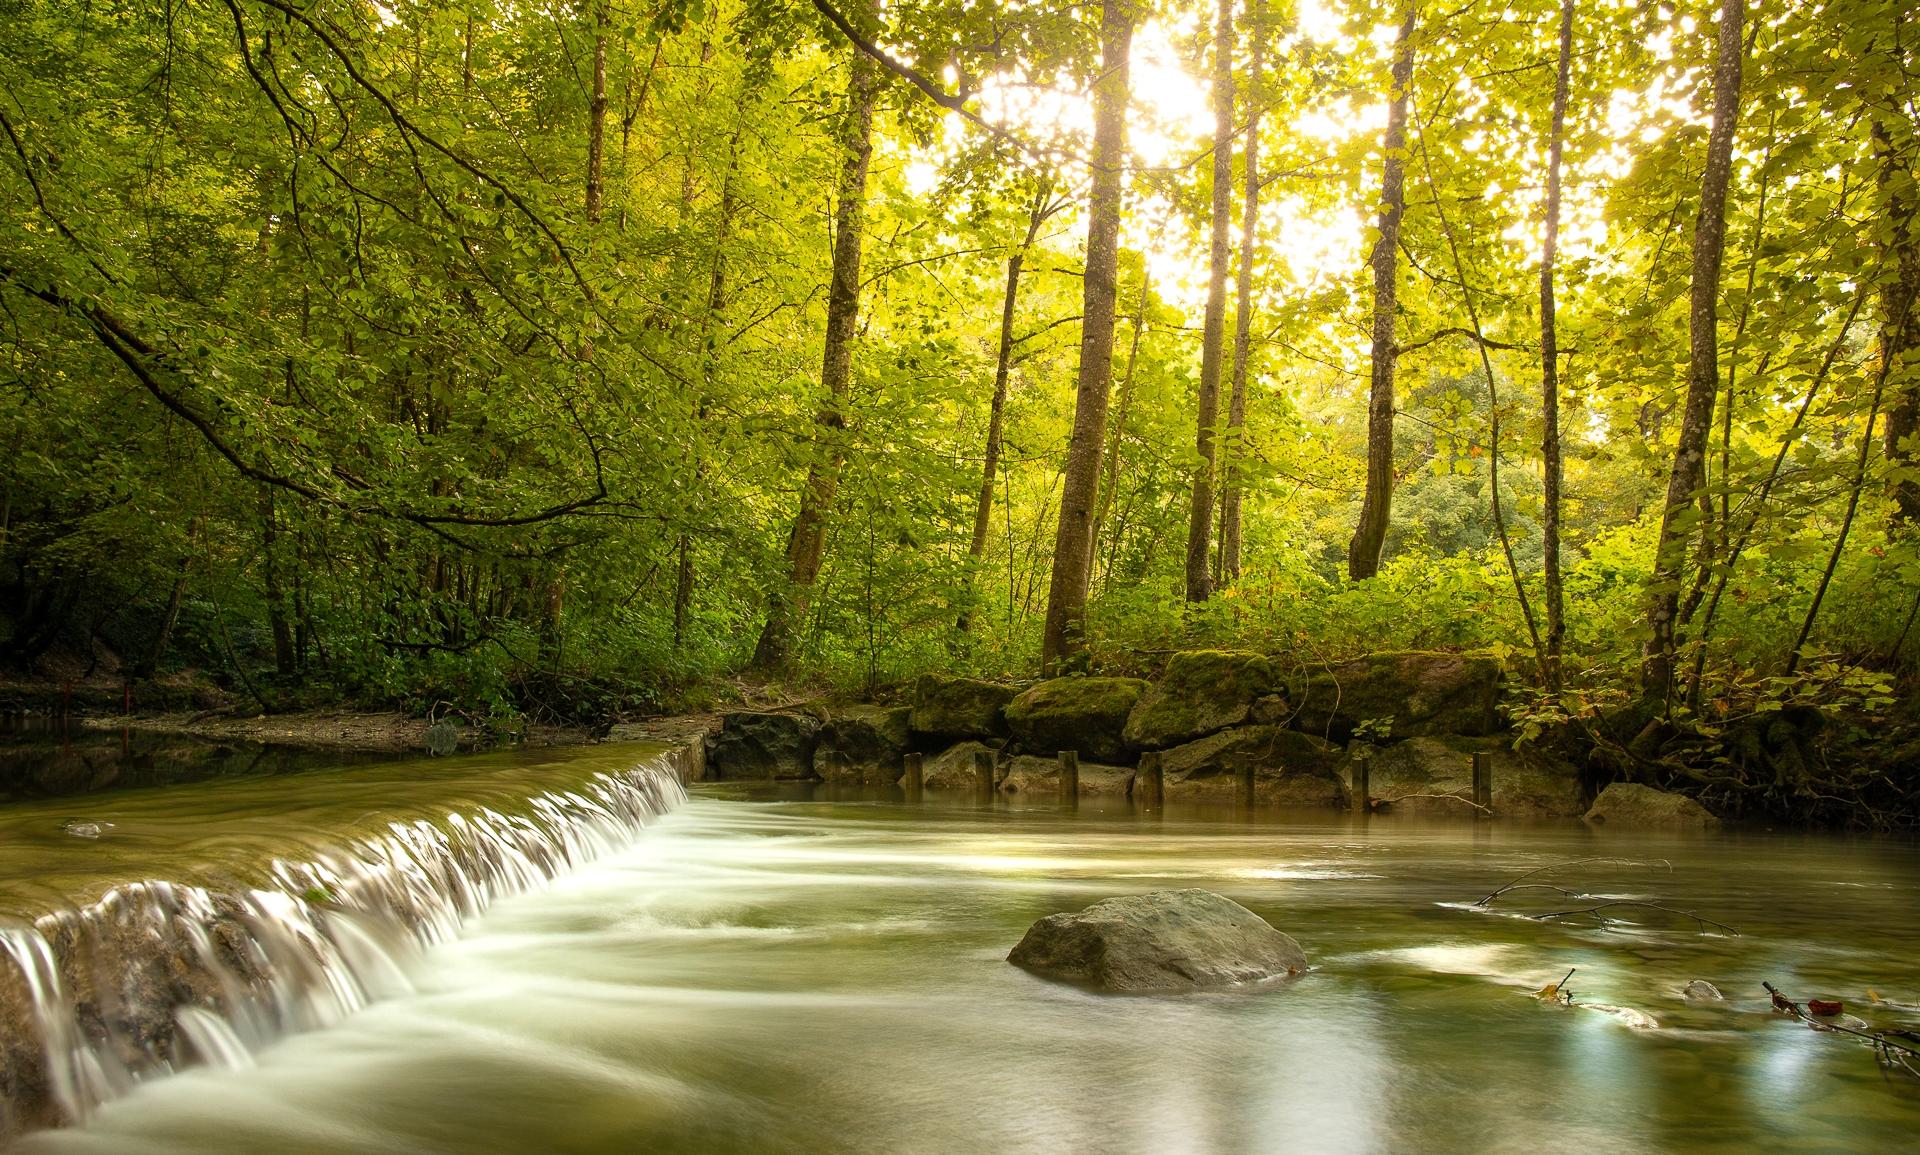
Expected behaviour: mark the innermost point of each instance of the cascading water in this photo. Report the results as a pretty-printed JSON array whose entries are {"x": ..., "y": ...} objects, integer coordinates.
[{"x": 156, "y": 975}]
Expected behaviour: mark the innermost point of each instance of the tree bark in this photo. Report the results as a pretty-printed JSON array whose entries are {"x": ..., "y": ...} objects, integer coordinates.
[
  {"x": 1213, "y": 336},
  {"x": 1376, "y": 508},
  {"x": 1067, "y": 589},
  {"x": 1002, "y": 377},
  {"x": 1230, "y": 481},
  {"x": 684, "y": 574},
  {"x": 1550, "y": 368},
  {"x": 277, "y": 621},
  {"x": 1703, "y": 367},
  {"x": 1111, "y": 485},
  {"x": 1899, "y": 324},
  {"x": 808, "y": 539},
  {"x": 597, "y": 114}
]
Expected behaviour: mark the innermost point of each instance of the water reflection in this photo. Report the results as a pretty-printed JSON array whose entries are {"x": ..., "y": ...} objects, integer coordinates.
[
  {"x": 813, "y": 975},
  {"x": 57, "y": 758}
]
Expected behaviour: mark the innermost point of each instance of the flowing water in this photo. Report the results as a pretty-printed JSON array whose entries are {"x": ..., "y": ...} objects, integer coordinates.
[{"x": 764, "y": 974}]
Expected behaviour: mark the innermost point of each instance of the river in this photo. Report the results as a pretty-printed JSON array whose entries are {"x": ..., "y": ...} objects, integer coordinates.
[{"x": 758, "y": 973}]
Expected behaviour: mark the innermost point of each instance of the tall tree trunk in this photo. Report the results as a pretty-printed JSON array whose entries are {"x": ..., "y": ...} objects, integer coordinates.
[
  {"x": 1550, "y": 367},
  {"x": 684, "y": 574},
  {"x": 1899, "y": 323},
  {"x": 1376, "y": 508},
  {"x": 1072, "y": 561},
  {"x": 1230, "y": 481},
  {"x": 1703, "y": 364},
  {"x": 1037, "y": 215},
  {"x": 277, "y": 621},
  {"x": 1213, "y": 336},
  {"x": 597, "y": 114},
  {"x": 808, "y": 539},
  {"x": 1111, "y": 486}
]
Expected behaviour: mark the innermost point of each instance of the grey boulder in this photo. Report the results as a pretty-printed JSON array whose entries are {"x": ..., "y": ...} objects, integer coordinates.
[{"x": 1165, "y": 941}]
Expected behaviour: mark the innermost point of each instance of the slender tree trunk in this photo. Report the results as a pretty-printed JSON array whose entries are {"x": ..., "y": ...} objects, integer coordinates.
[
  {"x": 808, "y": 540},
  {"x": 1899, "y": 322},
  {"x": 1376, "y": 508},
  {"x": 684, "y": 572},
  {"x": 1111, "y": 484},
  {"x": 1002, "y": 377},
  {"x": 1067, "y": 590},
  {"x": 1703, "y": 366},
  {"x": 597, "y": 114},
  {"x": 1213, "y": 337},
  {"x": 176, "y": 598},
  {"x": 1235, "y": 449},
  {"x": 1550, "y": 367},
  {"x": 277, "y": 622}
]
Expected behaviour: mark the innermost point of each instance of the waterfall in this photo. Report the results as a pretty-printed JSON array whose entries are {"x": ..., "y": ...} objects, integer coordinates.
[{"x": 156, "y": 975}]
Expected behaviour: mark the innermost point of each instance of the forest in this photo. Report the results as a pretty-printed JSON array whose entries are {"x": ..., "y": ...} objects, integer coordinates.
[{"x": 569, "y": 360}]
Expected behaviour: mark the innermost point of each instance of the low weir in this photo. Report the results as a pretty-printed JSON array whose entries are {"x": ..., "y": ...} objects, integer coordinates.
[{"x": 153, "y": 976}]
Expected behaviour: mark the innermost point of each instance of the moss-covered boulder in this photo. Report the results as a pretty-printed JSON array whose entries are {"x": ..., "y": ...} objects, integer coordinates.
[
  {"x": 1435, "y": 776},
  {"x": 954, "y": 708},
  {"x": 1083, "y": 714},
  {"x": 1202, "y": 691},
  {"x": 756, "y": 744},
  {"x": 952, "y": 768},
  {"x": 1629, "y": 804},
  {"x": 1409, "y": 694},
  {"x": 1028, "y": 774},
  {"x": 862, "y": 745},
  {"x": 1289, "y": 768}
]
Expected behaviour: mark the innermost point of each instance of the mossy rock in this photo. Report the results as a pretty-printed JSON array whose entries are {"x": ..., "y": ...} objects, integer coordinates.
[
  {"x": 862, "y": 745},
  {"x": 951, "y": 708},
  {"x": 758, "y": 744},
  {"x": 1083, "y": 714},
  {"x": 1435, "y": 776},
  {"x": 1202, "y": 691},
  {"x": 1027, "y": 774},
  {"x": 952, "y": 768},
  {"x": 1289, "y": 768},
  {"x": 1629, "y": 804},
  {"x": 1408, "y": 694}
]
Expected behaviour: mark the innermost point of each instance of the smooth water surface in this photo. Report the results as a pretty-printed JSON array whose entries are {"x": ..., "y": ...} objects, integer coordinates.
[{"x": 806, "y": 976}]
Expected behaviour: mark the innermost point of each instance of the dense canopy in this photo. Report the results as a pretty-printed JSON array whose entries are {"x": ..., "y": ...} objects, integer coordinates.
[{"x": 550, "y": 358}]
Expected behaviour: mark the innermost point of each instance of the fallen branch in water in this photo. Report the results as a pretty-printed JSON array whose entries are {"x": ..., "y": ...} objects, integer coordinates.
[
  {"x": 1890, "y": 1052},
  {"x": 1515, "y": 884},
  {"x": 1601, "y": 902},
  {"x": 1399, "y": 798},
  {"x": 1595, "y": 910}
]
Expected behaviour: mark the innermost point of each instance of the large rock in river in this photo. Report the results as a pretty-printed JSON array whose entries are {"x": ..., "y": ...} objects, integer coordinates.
[
  {"x": 1289, "y": 768},
  {"x": 1083, "y": 714},
  {"x": 862, "y": 745},
  {"x": 1169, "y": 940},
  {"x": 1409, "y": 695},
  {"x": 954, "y": 708},
  {"x": 753, "y": 744},
  {"x": 1435, "y": 775},
  {"x": 1201, "y": 691},
  {"x": 952, "y": 768},
  {"x": 1631, "y": 804},
  {"x": 1030, "y": 775}
]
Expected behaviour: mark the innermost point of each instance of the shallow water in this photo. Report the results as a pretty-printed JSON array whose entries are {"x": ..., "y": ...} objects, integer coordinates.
[{"x": 810, "y": 976}]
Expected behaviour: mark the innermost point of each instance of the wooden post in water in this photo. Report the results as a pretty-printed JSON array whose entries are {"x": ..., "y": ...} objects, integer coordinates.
[
  {"x": 914, "y": 776},
  {"x": 1069, "y": 774},
  {"x": 983, "y": 772},
  {"x": 1246, "y": 786},
  {"x": 1362, "y": 772},
  {"x": 1150, "y": 783},
  {"x": 1483, "y": 781}
]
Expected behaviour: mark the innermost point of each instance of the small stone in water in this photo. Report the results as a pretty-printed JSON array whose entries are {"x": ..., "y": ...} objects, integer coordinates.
[
  {"x": 1702, "y": 991},
  {"x": 82, "y": 829}
]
